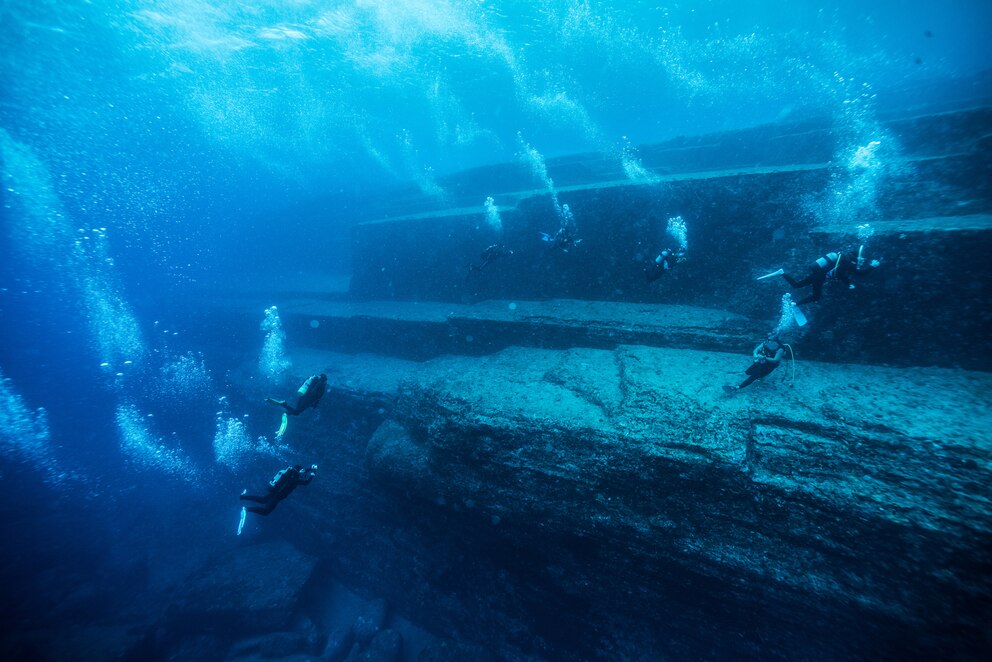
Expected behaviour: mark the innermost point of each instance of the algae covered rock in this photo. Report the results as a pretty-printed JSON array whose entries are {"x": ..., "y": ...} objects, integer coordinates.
[{"x": 848, "y": 496}]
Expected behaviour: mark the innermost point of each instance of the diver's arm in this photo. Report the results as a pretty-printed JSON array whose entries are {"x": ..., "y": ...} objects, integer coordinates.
[
  {"x": 778, "y": 356},
  {"x": 844, "y": 273},
  {"x": 756, "y": 354},
  {"x": 867, "y": 270}
]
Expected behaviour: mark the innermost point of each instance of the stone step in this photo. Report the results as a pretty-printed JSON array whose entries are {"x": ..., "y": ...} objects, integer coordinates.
[
  {"x": 968, "y": 223},
  {"x": 763, "y": 149},
  {"x": 423, "y": 330},
  {"x": 933, "y": 231},
  {"x": 507, "y": 201},
  {"x": 843, "y": 498}
]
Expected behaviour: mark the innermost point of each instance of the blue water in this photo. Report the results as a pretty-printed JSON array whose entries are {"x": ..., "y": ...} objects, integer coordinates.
[{"x": 153, "y": 151}]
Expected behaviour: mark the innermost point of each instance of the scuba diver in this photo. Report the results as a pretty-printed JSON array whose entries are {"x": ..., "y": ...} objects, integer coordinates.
[
  {"x": 491, "y": 253},
  {"x": 280, "y": 487},
  {"x": 831, "y": 265},
  {"x": 766, "y": 358},
  {"x": 564, "y": 239},
  {"x": 309, "y": 395},
  {"x": 665, "y": 261}
]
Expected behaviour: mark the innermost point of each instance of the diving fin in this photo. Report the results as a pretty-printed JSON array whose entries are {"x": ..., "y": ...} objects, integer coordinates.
[
  {"x": 778, "y": 272},
  {"x": 282, "y": 428},
  {"x": 799, "y": 315},
  {"x": 241, "y": 524}
]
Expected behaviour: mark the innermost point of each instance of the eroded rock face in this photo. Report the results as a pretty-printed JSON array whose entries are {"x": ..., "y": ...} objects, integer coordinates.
[
  {"x": 931, "y": 213},
  {"x": 250, "y": 589},
  {"x": 853, "y": 500}
]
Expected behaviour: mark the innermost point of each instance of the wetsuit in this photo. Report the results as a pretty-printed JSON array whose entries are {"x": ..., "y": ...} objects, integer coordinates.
[
  {"x": 280, "y": 487},
  {"x": 490, "y": 254},
  {"x": 831, "y": 265},
  {"x": 848, "y": 268},
  {"x": 817, "y": 276},
  {"x": 767, "y": 356},
  {"x": 310, "y": 394},
  {"x": 664, "y": 262},
  {"x": 563, "y": 240}
]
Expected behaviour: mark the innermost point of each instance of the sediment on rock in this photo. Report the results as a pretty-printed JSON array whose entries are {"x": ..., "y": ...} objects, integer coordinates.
[{"x": 633, "y": 483}]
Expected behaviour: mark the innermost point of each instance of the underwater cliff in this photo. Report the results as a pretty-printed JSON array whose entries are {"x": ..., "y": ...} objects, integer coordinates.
[
  {"x": 544, "y": 457},
  {"x": 541, "y": 461},
  {"x": 495, "y": 330}
]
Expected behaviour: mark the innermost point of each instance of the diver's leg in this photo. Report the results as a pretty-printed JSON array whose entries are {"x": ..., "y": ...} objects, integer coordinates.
[
  {"x": 815, "y": 296},
  {"x": 281, "y": 403},
  {"x": 818, "y": 288},
  {"x": 270, "y": 505},
  {"x": 795, "y": 284},
  {"x": 253, "y": 498},
  {"x": 747, "y": 382}
]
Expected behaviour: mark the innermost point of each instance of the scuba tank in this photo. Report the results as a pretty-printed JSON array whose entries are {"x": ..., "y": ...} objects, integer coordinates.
[
  {"x": 306, "y": 385},
  {"x": 275, "y": 479},
  {"x": 828, "y": 259}
]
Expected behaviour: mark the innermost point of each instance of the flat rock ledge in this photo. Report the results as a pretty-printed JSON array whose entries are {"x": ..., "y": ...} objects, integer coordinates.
[
  {"x": 423, "y": 330},
  {"x": 846, "y": 496}
]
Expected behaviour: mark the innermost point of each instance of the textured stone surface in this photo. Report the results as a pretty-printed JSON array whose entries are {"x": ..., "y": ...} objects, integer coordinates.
[
  {"x": 384, "y": 647},
  {"x": 931, "y": 208},
  {"x": 270, "y": 646},
  {"x": 423, "y": 330},
  {"x": 251, "y": 589},
  {"x": 612, "y": 500}
]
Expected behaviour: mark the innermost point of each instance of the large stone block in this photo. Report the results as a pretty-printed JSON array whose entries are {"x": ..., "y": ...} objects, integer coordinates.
[
  {"x": 632, "y": 483},
  {"x": 249, "y": 589}
]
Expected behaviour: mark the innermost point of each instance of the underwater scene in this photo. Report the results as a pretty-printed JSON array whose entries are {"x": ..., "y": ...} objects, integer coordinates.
[{"x": 495, "y": 330}]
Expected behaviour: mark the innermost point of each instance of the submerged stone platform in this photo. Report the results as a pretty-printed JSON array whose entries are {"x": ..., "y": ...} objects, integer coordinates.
[
  {"x": 753, "y": 201},
  {"x": 422, "y": 330},
  {"x": 540, "y": 458},
  {"x": 620, "y": 496}
]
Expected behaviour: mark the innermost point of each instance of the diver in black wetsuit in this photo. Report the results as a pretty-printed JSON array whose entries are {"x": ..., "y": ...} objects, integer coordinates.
[
  {"x": 563, "y": 240},
  {"x": 766, "y": 357},
  {"x": 491, "y": 253},
  {"x": 309, "y": 395},
  {"x": 280, "y": 487},
  {"x": 832, "y": 265},
  {"x": 665, "y": 261}
]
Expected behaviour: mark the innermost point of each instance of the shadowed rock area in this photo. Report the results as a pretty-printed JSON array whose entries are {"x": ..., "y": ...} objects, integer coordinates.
[
  {"x": 255, "y": 588},
  {"x": 754, "y": 201},
  {"x": 596, "y": 497}
]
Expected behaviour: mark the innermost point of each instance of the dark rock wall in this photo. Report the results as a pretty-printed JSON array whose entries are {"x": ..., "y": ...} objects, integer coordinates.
[
  {"x": 935, "y": 284},
  {"x": 812, "y": 141}
]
